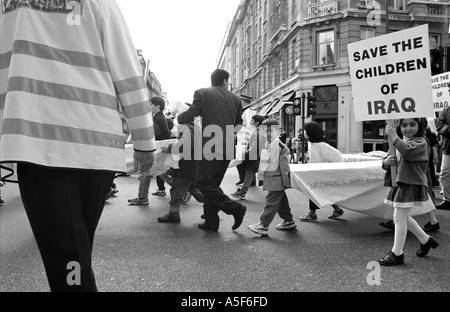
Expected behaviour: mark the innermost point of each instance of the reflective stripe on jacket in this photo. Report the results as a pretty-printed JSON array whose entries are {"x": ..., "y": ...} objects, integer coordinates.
[{"x": 64, "y": 78}]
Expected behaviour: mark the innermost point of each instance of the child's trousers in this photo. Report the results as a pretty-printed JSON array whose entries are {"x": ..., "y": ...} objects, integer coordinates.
[
  {"x": 276, "y": 201},
  {"x": 179, "y": 188}
]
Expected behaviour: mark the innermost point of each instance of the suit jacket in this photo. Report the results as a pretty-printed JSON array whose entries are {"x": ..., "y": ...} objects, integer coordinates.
[
  {"x": 221, "y": 113},
  {"x": 279, "y": 179}
]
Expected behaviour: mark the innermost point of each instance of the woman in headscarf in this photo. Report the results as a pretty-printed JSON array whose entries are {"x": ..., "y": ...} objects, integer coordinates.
[{"x": 320, "y": 152}]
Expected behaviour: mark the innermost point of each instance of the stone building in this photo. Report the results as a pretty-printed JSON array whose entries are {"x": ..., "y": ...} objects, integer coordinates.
[{"x": 276, "y": 50}]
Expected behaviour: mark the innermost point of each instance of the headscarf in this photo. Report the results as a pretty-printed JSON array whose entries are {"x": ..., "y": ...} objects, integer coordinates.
[{"x": 315, "y": 132}]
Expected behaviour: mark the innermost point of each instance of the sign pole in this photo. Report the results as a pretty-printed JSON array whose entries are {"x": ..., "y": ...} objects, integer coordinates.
[
  {"x": 303, "y": 126},
  {"x": 392, "y": 150}
]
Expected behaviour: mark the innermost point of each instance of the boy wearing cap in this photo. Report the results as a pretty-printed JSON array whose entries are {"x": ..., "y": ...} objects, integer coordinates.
[{"x": 274, "y": 167}]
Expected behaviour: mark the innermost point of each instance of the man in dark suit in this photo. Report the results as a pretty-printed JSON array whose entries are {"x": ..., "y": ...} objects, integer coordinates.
[{"x": 221, "y": 113}]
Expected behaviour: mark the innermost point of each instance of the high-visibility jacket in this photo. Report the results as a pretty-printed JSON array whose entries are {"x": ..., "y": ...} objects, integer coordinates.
[{"x": 65, "y": 72}]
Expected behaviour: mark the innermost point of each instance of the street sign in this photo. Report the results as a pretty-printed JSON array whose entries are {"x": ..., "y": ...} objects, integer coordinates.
[
  {"x": 289, "y": 110},
  {"x": 391, "y": 75}
]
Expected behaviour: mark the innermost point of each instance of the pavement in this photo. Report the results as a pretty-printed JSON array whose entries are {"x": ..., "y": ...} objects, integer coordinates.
[{"x": 135, "y": 253}]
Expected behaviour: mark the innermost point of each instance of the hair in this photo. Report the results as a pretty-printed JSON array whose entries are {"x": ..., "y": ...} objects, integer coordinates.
[
  {"x": 158, "y": 101},
  {"x": 422, "y": 122},
  {"x": 218, "y": 76},
  {"x": 315, "y": 132},
  {"x": 258, "y": 118}
]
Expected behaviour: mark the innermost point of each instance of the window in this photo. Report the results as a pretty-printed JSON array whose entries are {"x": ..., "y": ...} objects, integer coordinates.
[
  {"x": 281, "y": 72},
  {"x": 325, "y": 47},
  {"x": 434, "y": 41},
  {"x": 294, "y": 54},
  {"x": 367, "y": 32}
]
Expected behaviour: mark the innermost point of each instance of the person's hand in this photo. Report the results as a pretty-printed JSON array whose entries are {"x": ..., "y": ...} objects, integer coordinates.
[
  {"x": 143, "y": 163},
  {"x": 391, "y": 127},
  {"x": 390, "y": 131},
  {"x": 391, "y": 161}
]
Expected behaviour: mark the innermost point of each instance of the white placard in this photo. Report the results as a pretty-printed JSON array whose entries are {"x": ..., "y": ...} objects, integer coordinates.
[
  {"x": 391, "y": 76},
  {"x": 441, "y": 91}
]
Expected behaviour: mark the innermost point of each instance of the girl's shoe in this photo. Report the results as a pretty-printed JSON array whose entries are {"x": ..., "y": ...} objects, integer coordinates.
[
  {"x": 425, "y": 248},
  {"x": 391, "y": 259},
  {"x": 431, "y": 227}
]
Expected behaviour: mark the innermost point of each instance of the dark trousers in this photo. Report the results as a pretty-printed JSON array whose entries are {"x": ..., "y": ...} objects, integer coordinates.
[
  {"x": 160, "y": 183},
  {"x": 64, "y": 208},
  {"x": 241, "y": 172},
  {"x": 210, "y": 174}
]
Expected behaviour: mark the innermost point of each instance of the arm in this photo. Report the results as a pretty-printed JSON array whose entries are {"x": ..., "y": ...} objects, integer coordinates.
[
  {"x": 193, "y": 111},
  {"x": 284, "y": 167},
  {"x": 126, "y": 74},
  {"x": 416, "y": 150}
]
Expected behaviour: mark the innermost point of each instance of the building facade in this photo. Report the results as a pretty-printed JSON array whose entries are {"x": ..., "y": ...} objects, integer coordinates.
[{"x": 276, "y": 50}]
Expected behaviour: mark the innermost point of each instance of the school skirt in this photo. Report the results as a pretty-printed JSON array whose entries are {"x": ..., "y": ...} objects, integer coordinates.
[{"x": 408, "y": 196}]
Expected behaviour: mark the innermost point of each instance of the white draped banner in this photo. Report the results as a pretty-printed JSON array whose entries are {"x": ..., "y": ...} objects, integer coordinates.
[{"x": 356, "y": 186}]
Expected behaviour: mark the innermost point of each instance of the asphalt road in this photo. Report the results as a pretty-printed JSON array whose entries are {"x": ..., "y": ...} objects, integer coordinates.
[{"x": 135, "y": 253}]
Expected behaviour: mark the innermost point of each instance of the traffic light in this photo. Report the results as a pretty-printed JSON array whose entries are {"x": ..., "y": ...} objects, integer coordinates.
[
  {"x": 311, "y": 108},
  {"x": 297, "y": 106}
]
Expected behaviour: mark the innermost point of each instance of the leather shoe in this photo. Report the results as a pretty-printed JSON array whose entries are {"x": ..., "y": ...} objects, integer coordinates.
[
  {"x": 431, "y": 227},
  {"x": 239, "y": 217},
  {"x": 207, "y": 227},
  {"x": 391, "y": 259},
  {"x": 445, "y": 205},
  {"x": 390, "y": 225},
  {"x": 425, "y": 248}
]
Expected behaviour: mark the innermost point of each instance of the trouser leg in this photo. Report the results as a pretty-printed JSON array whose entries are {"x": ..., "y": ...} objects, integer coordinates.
[
  {"x": 144, "y": 186},
  {"x": 160, "y": 183},
  {"x": 64, "y": 208},
  {"x": 273, "y": 202},
  {"x": 179, "y": 188},
  {"x": 445, "y": 176},
  {"x": 209, "y": 177}
]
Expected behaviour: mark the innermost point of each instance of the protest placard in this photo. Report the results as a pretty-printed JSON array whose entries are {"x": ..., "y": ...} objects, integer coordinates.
[
  {"x": 441, "y": 91},
  {"x": 391, "y": 76}
]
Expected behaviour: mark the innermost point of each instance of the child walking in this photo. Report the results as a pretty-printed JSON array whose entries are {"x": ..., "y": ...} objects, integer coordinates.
[
  {"x": 411, "y": 190},
  {"x": 182, "y": 179},
  {"x": 276, "y": 176},
  {"x": 320, "y": 152}
]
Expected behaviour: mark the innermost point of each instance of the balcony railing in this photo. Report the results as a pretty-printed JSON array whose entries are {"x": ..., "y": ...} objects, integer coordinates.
[
  {"x": 436, "y": 10},
  {"x": 320, "y": 9}
]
